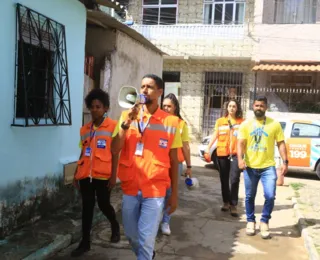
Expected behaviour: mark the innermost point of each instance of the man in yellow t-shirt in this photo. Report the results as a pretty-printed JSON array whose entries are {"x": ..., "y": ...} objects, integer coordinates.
[{"x": 256, "y": 143}]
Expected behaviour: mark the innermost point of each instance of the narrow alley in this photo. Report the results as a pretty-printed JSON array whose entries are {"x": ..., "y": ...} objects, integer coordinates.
[{"x": 201, "y": 231}]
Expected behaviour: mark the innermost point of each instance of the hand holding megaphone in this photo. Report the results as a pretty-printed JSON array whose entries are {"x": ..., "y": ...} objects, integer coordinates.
[{"x": 130, "y": 98}]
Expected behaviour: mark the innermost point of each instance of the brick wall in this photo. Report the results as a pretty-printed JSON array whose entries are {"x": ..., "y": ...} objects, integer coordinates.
[{"x": 192, "y": 87}]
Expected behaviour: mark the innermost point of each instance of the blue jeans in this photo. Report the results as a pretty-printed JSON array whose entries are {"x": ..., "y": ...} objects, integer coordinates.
[
  {"x": 268, "y": 178},
  {"x": 166, "y": 217},
  {"x": 141, "y": 218}
]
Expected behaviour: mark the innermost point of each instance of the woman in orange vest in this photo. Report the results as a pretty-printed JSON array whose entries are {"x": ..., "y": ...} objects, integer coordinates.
[
  {"x": 97, "y": 168},
  {"x": 171, "y": 106},
  {"x": 225, "y": 131}
]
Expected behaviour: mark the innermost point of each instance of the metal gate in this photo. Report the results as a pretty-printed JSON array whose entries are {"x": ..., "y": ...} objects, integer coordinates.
[{"x": 219, "y": 87}]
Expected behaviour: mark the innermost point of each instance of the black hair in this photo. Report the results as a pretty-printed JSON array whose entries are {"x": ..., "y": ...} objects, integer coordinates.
[
  {"x": 157, "y": 80},
  {"x": 239, "y": 113},
  {"x": 175, "y": 101},
  {"x": 98, "y": 94},
  {"x": 261, "y": 99}
]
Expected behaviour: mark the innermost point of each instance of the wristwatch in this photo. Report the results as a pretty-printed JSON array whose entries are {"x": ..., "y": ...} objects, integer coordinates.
[
  {"x": 124, "y": 127},
  {"x": 286, "y": 162},
  {"x": 189, "y": 166}
]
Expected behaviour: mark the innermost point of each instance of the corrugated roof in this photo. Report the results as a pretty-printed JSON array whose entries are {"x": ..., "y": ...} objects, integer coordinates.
[{"x": 286, "y": 67}]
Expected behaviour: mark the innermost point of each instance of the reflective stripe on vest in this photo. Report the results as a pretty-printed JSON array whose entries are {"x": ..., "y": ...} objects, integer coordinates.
[
  {"x": 157, "y": 127},
  {"x": 97, "y": 133}
]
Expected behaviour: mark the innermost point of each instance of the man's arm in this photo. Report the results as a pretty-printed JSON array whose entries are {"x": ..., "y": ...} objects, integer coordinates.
[
  {"x": 173, "y": 172},
  {"x": 186, "y": 152},
  {"x": 241, "y": 146},
  {"x": 114, "y": 170},
  {"x": 119, "y": 135},
  {"x": 284, "y": 156}
]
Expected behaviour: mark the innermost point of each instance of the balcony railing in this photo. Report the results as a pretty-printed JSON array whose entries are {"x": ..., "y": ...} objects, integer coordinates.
[{"x": 190, "y": 31}]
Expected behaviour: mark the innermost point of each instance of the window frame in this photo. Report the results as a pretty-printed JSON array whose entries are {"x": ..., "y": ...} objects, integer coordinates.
[
  {"x": 301, "y": 123},
  {"x": 159, "y": 6},
  {"x": 224, "y": 3},
  {"x": 44, "y": 33},
  {"x": 283, "y": 15}
]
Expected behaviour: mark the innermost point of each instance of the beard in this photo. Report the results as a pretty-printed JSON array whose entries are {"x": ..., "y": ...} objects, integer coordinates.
[
  {"x": 148, "y": 101},
  {"x": 259, "y": 113}
]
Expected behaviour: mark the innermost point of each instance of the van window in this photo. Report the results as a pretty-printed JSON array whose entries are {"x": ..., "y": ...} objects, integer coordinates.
[
  {"x": 283, "y": 125},
  {"x": 305, "y": 130}
]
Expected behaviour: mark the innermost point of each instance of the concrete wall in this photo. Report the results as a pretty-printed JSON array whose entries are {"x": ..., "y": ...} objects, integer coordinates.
[
  {"x": 206, "y": 42},
  {"x": 192, "y": 87},
  {"x": 129, "y": 63},
  {"x": 284, "y": 41},
  {"x": 31, "y": 158},
  {"x": 189, "y": 11},
  {"x": 100, "y": 42}
]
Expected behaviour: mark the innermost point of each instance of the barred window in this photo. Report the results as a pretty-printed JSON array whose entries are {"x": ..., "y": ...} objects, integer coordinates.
[
  {"x": 42, "y": 86},
  {"x": 295, "y": 11}
]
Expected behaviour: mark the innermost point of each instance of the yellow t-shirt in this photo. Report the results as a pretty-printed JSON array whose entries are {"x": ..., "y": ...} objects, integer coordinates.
[
  {"x": 177, "y": 142},
  {"x": 185, "y": 133},
  {"x": 261, "y": 155}
]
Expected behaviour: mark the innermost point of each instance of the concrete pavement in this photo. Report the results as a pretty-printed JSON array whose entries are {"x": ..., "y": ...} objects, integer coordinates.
[{"x": 201, "y": 231}]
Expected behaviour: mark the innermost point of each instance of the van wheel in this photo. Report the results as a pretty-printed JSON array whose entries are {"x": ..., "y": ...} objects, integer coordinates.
[
  {"x": 318, "y": 170},
  {"x": 214, "y": 159}
]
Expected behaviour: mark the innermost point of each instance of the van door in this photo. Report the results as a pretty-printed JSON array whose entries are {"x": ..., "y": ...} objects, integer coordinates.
[{"x": 299, "y": 144}]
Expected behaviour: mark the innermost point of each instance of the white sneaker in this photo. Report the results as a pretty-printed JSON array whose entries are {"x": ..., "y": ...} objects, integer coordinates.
[{"x": 165, "y": 229}]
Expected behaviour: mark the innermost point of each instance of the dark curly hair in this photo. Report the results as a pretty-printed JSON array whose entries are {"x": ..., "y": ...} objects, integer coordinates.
[
  {"x": 175, "y": 101},
  {"x": 98, "y": 94},
  {"x": 157, "y": 80},
  {"x": 239, "y": 113}
]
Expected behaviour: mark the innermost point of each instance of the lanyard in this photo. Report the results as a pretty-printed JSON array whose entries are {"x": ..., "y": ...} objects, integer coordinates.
[
  {"x": 230, "y": 139},
  {"x": 141, "y": 125},
  {"x": 93, "y": 131},
  {"x": 258, "y": 131}
]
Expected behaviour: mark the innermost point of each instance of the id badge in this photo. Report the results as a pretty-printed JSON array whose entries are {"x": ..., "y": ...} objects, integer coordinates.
[
  {"x": 87, "y": 151},
  {"x": 139, "y": 149}
]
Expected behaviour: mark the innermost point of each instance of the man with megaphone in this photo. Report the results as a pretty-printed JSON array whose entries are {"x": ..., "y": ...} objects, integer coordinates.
[{"x": 148, "y": 139}]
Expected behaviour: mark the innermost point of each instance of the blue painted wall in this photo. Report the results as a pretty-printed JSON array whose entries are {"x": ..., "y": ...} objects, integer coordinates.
[{"x": 35, "y": 152}]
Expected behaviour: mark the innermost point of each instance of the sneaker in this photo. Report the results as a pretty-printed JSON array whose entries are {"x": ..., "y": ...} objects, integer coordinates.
[
  {"x": 83, "y": 247},
  {"x": 234, "y": 211},
  {"x": 165, "y": 229},
  {"x": 264, "y": 230},
  {"x": 251, "y": 229},
  {"x": 225, "y": 207}
]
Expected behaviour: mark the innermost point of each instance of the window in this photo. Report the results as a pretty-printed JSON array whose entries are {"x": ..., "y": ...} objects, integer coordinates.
[
  {"x": 297, "y": 92},
  {"x": 295, "y": 11},
  {"x": 224, "y": 11},
  {"x": 42, "y": 85},
  {"x": 219, "y": 87},
  {"x": 305, "y": 130},
  {"x": 160, "y": 12},
  {"x": 283, "y": 125}
]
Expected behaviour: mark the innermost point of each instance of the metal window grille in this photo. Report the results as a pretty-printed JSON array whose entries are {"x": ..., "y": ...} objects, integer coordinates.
[
  {"x": 219, "y": 87},
  {"x": 42, "y": 94},
  {"x": 297, "y": 92}
]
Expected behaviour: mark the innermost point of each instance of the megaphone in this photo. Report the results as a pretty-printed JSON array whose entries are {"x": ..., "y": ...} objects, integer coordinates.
[{"x": 129, "y": 97}]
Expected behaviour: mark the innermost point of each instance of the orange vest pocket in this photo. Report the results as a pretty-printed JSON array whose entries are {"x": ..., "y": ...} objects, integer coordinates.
[
  {"x": 126, "y": 171},
  {"x": 160, "y": 170},
  {"x": 81, "y": 170},
  {"x": 102, "y": 163}
]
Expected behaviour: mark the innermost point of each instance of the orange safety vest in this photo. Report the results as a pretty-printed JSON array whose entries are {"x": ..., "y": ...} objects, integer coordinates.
[
  {"x": 227, "y": 138},
  {"x": 148, "y": 173},
  {"x": 98, "y": 163},
  {"x": 180, "y": 153}
]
